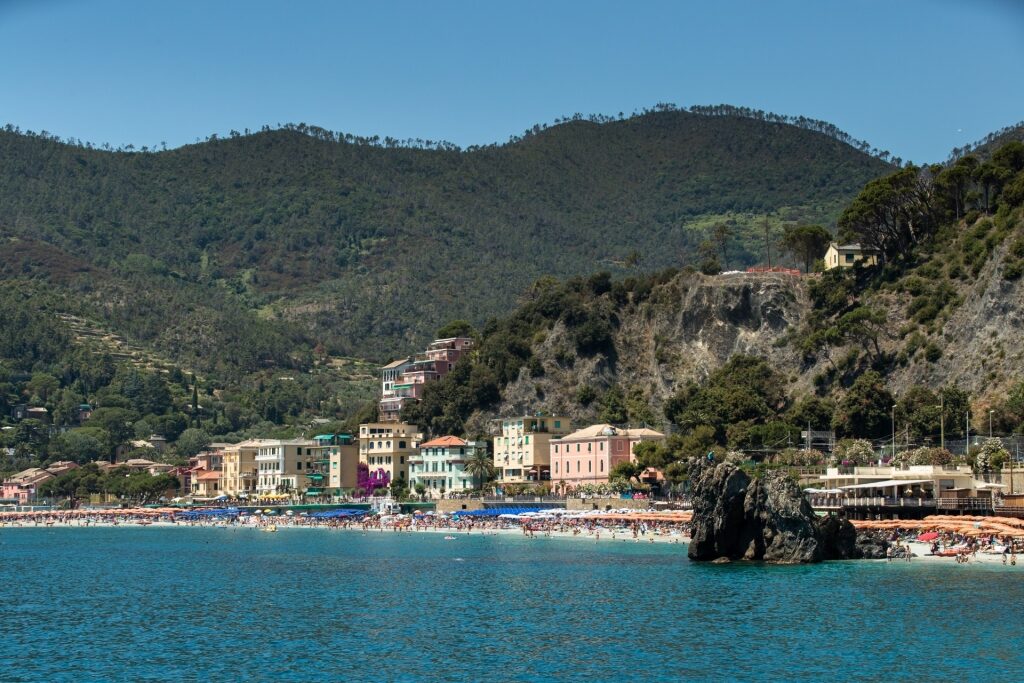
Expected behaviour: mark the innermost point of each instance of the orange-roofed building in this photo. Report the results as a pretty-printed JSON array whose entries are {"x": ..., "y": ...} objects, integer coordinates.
[
  {"x": 440, "y": 465},
  {"x": 206, "y": 483}
]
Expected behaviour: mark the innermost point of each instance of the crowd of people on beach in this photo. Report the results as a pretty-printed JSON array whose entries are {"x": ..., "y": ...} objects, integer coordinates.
[{"x": 904, "y": 541}]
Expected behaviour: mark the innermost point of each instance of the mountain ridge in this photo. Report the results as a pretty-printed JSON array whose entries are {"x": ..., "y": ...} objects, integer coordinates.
[{"x": 327, "y": 236}]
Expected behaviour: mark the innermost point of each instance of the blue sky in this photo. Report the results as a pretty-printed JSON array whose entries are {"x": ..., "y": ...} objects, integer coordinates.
[{"x": 916, "y": 77}]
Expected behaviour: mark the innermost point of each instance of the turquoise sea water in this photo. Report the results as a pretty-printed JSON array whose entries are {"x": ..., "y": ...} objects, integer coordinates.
[{"x": 184, "y": 604}]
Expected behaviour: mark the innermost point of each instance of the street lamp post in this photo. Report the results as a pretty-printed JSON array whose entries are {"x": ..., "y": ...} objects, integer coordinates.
[{"x": 990, "y": 423}]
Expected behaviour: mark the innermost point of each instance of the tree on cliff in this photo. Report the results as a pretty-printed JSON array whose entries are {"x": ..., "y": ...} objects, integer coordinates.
[
  {"x": 865, "y": 410},
  {"x": 806, "y": 243},
  {"x": 745, "y": 388},
  {"x": 892, "y": 214}
]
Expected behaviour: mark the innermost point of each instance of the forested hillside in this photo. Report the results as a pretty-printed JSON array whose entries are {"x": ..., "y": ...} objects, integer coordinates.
[
  {"x": 287, "y": 238},
  {"x": 745, "y": 361}
]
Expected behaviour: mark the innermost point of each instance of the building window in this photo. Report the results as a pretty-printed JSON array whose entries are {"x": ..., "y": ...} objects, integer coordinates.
[
  {"x": 577, "y": 465},
  {"x": 590, "y": 466},
  {"x": 602, "y": 465}
]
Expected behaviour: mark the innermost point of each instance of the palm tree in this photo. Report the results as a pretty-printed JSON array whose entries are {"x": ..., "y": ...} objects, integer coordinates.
[{"x": 480, "y": 466}]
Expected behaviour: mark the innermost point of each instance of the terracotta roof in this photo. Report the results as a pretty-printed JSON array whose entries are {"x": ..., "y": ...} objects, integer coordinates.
[
  {"x": 642, "y": 431},
  {"x": 208, "y": 475},
  {"x": 395, "y": 364},
  {"x": 604, "y": 430},
  {"x": 443, "y": 442},
  {"x": 32, "y": 475}
]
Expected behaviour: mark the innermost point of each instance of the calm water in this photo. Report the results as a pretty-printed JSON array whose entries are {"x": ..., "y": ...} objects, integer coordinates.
[{"x": 151, "y": 604}]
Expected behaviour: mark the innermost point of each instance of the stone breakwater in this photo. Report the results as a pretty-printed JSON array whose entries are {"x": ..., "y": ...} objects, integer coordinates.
[{"x": 739, "y": 517}]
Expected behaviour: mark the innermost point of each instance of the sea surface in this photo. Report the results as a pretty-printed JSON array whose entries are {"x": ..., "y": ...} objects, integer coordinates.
[{"x": 209, "y": 604}]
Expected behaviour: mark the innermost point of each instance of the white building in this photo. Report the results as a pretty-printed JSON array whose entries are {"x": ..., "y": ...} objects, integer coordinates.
[
  {"x": 441, "y": 465},
  {"x": 281, "y": 465}
]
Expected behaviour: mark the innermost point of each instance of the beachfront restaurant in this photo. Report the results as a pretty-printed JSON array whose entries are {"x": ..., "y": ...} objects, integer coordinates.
[{"x": 910, "y": 491}]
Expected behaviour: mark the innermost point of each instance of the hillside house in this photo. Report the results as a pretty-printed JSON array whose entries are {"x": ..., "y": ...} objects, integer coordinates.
[
  {"x": 403, "y": 380},
  {"x": 848, "y": 255}
]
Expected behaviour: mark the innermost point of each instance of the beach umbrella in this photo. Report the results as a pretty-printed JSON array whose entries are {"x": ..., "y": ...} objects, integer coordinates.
[{"x": 930, "y": 536}]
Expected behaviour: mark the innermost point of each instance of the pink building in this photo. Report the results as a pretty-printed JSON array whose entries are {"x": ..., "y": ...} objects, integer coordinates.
[
  {"x": 588, "y": 455},
  {"x": 403, "y": 380},
  {"x": 22, "y": 486}
]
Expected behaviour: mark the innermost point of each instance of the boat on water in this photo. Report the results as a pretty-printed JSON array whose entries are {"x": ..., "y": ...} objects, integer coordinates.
[
  {"x": 449, "y": 538},
  {"x": 270, "y": 529}
]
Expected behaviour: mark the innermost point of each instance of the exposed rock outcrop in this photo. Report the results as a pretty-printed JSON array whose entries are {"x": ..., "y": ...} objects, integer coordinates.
[{"x": 760, "y": 519}]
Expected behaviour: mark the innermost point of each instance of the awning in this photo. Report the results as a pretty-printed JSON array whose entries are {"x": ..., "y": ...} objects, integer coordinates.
[
  {"x": 986, "y": 485},
  {"x": 887, "y": 483}
]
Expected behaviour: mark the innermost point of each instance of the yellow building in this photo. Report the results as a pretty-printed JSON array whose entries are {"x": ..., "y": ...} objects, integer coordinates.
[
  {"x": 385, "y": 447},
  {"x": 239, "y": 467},
  {"x": 333, "y": 468},
  {"x": 846, "y": 255},
  {"x": 521, "y": 453}
]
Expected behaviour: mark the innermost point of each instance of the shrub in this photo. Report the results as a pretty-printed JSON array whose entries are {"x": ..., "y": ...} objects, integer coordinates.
[
  {"x": 857, "y": 452},
  {"x": 586, "y": 395}
]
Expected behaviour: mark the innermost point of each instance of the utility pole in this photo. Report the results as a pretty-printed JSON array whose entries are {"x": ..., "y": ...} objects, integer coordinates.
[
  {"x": 942, "y": 422},
  {"x": 894, "y": 432},
  {"x": 1011, "y": 467},
  {"x": 967, "y": 434},
  {"x": 808, "y": 436}
]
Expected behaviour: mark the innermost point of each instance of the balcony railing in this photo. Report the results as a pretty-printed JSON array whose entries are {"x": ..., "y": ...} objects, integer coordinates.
[{"x": 980, "y": 504}]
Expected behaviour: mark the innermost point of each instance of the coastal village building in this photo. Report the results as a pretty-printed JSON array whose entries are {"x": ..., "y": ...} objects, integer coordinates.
[
  {"x": 281, "y": 465},
  {"x": 21, "y": 488},
  {"x": 333, "y": 466},
  {"x": 239, "y": 463},
  {"x": 521, "y": 452},
  {"x": 344, "y": 465},
  {"x": 847, "y": 255},
  {"x": 441, "y": 465},
  {"x": 589, "y": 455},
  {"x": 206, "y": 473},
  {"x": 403, "y": 380},
  {"x": 386, "y": 447}
]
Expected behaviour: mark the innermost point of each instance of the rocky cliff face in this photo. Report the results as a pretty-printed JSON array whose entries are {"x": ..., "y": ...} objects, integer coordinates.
[
  {"x": 765, "y": 519},
  {"x": 685, "y": 330},
  {"x": 689, "y": 326},
  {"x": 981, "y": 340}
]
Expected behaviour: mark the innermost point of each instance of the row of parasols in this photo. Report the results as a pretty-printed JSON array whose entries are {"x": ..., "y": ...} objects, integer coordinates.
[{"x": 965, "y": 525}]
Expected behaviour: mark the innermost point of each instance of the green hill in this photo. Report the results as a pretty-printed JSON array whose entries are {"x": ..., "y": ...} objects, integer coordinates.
[{"x": 289, "y": 237}]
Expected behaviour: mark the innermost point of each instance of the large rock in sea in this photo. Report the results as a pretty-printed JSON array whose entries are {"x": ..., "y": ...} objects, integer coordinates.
[{"x": 761, "y": 519}]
